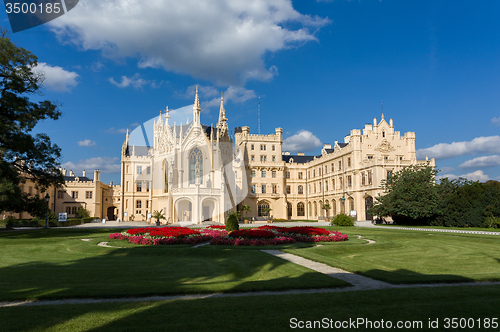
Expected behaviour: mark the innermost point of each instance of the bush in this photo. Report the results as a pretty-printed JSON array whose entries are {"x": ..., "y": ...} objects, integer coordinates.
[
  {"x": 232, "y": 222},
  {"x": 342, "y": 220}
]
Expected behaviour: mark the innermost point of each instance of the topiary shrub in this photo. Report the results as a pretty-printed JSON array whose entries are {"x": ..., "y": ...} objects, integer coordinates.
[
  {"x": 232, "y": 222},
  {"x": 342, "y": 220}
]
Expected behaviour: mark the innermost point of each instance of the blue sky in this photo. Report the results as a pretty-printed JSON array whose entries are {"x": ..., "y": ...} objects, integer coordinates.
[{"x": 321, "y": 69}]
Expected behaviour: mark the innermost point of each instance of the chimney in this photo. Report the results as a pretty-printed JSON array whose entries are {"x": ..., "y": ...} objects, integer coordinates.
[
  {"x": 97, "y": 175},
  {"x": 327, "y": 146},
  {"x": 301, "y": 154},
  {"x": 374, "y": 122},
  {"x": 64, "y": 172},
  {"x": 71, "y": 173},
  {"x": 111, "y": 183},
  {"x": 84, "y": 174}
]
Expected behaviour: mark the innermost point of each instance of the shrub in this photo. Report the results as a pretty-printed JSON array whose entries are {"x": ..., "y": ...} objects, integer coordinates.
[
  {"x": 232, "y": 222},
  {"x": 342, "y": 220}
]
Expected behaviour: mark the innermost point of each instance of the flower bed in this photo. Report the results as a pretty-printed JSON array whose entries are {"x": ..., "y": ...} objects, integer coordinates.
[{"x": 217, "y": 235}]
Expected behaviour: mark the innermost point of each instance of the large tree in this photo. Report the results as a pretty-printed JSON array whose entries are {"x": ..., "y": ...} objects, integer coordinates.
[
  {"x": 24, "y": 155},
  {"x": 410, "y": 196}
]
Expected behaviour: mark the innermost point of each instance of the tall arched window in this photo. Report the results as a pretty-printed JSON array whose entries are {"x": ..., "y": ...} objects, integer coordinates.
[
  {"x": 300, "y": 210},
  {"x": 195, "y": 166},
  {"x": 263, "y": 209},
  {"x": 315, "y": 209},
  {"x": 165, "y": 174}
]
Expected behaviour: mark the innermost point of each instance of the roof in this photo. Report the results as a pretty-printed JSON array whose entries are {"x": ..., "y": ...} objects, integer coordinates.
[
  {"x": 80, "y": 178},
  {"x": 343, "y": 144},
  {"x": 140, "y": 151},
  {"x": 297, "y": 159}
]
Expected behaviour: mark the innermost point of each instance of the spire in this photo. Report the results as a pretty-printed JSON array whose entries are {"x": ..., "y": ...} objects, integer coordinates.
[
  {"x": 222, "y": 111},
  {"x": 382, "y": 116},
  {"x": 127, "y": 135},
  {"x": 196, "y": 108}
]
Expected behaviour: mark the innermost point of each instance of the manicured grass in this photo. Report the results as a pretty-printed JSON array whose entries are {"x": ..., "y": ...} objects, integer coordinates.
[
  {"x": 56, "y": 263},
  {"x": 472, "y": 229},
  {"x": 265, "y": 313},
  {"x": 401, "y": 256}
]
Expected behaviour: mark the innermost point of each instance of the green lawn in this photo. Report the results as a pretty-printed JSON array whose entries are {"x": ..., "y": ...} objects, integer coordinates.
[
  {"x": 265, "y": 313},
  {"x": 401, "y": 256},
  {"x": 56, "y": 263},
  {"x": 472, "y": 229}
]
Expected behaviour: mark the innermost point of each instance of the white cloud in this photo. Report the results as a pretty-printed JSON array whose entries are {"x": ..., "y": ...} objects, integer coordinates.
[
  {"x": 236, "y": 95},
  {"x": 219, "y": 40},
  {"x": 489, "y": 144},
  {"x": 474, "y": 176},
  {"x": 56, "y": 78},
  {"x": 104, "y": 164},
  {"x": 114, "y": 130},
  {"x": 134, "y": 81},
  {"x": 86, "y": 142},
  {"x": 480, "y": 162},
  {"x": 496, "y": 121},
  {"x": 446, "y": 169},
  {"x": 302, "y": 141}
]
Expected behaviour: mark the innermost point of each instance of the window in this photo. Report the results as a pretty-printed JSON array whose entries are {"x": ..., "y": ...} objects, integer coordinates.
[
  {"x": 333, "y": 167},
  {"x": 314, "y": 187},
  {"x": 319, "y": 187},
  {"x": 253, "y": 147},
  {"x": 127, "y": 185},
  {"x": 147, "y": 187},
  {"x": 383, "y": 134},
  {"x": 287, "y": 174},
  {"x": 88, "y": 195},
  {"x": 274, "y": 174},
  {"x": 370, "y": 157},
  {"x": 263, "y": 189},
  {"x": 263, "y": 158},
  {"x": 74, "y": 194},
  {"x": 319, "y": 171},
  {"x": 263, "y": 174},
  {"x": 340, "y": 164},
  {"x": 253, "y": 173},
  {"x": 60, "y": 194},
  {"x": 273, "y": 148},
  {"x": 300, "y": 210},
  {"x": 128, "y": 170},
  {"x": 333, "y": 184},
  {"x": 139, "y": 186},
  {"x": 326, "y": 185},
  {"x": 314, "y": 173},
  {"x": 308, "y": 174},
  {"x": 263, "y": 209},
  {"x": 148, "y": 170},
  {"x": 30, "y": 190},
  {"x": 369, "y": 177},
  {"x": 289, "y": 210},
  {"x": 300, "y": 175},
  {"x": 275, "y": 189},
  {"x": 288, "y": 190},
  {"x": 301, "y": 190},
  {"x": 139, "y": 169},
  {"x": 138, "y": 204},
  {"x": 349, "y": 181},
  {"x": 326, "y": 169},
  {"x": 74, "y": 210},
  {"x": 253, "y": 189},
  {"x": 253, "y": 158},
  {"x": 262, "y": 147},
  {"x": 274, "y": 158},
  {"x": 348, "y": 162},
  {"x": 363, "y": 181},
  {"x": 389, "y": 174},
  {"x": 195, "y": 166},
  {"x": 315, "y": 209}
]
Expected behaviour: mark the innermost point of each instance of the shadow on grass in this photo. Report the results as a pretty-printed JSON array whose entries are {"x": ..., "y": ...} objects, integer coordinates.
[{"x": 403, "y": 276}]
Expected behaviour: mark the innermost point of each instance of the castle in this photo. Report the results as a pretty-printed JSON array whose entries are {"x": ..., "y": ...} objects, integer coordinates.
[{"x": 194, "y": 173}]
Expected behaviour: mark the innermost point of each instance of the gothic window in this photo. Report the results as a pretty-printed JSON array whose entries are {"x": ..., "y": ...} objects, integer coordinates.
[
  {"x": 301, "y": 190},
  {"x": 195, "y": 166},
  {"x": 275, "y": 189},
  {"x": 349, "y": 181},
  {"x": 315, "y": 209},
  {"x": 263, "y": 208},
  {"x": 165, "y": 166},
  {"x": 369, "y": 177},
  {"x": 363, "y": 181},
  {"x": 300, "y": 210},
  {"x": 264, "y": 189}
]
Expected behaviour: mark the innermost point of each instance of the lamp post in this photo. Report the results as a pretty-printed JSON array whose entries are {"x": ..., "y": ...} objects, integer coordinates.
[
  {"x": 47, "y": 199},
  {"x": 342, "y": 199}
]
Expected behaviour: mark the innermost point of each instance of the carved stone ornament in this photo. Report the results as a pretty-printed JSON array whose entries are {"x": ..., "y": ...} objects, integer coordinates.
[{"x": 385, "y": 147}]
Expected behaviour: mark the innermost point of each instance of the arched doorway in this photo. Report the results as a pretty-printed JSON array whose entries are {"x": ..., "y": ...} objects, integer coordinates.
[
  {"x": 111, "y": 213},
  {"x": 289, "y": 211},
  {"x": 263, "y": 209},
  {"x": 208, "y": 209},
  {"x": 368, "y": 205},
  {"x": 184, "y": 210}
]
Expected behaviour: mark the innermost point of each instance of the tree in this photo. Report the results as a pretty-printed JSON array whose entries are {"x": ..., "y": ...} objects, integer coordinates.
[
  {"x": 410, "y": 196},
  {"x": 22, "y": 155},
  {"x": 82, "y": 212},
  {"x": 158, "y": 215},
  {"x": 246, "y": 208}
]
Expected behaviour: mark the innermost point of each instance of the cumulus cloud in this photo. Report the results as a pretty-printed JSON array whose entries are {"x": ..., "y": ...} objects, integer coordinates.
[
  {"x": 104, "y": 164},
  {"x": 480, "y": 162},
  {"x": 135, "y": 81},
  {"x": 220, "y": 40},
  {"x": 302, "y": 141},
  {"x": 474, "y": 176},
  {"x": 56, "y": 78},
  {"x": 489, "y": 144},
  {"x": 86, "y": 142},
  {"x": 496, "y": 121},
  {"x": 234, "y": 94}
]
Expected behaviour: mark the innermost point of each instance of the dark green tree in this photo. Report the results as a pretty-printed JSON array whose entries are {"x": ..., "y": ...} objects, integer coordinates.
[
  {"x": 410, "y": 196},
  {"x": 23, "y": 155}
]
